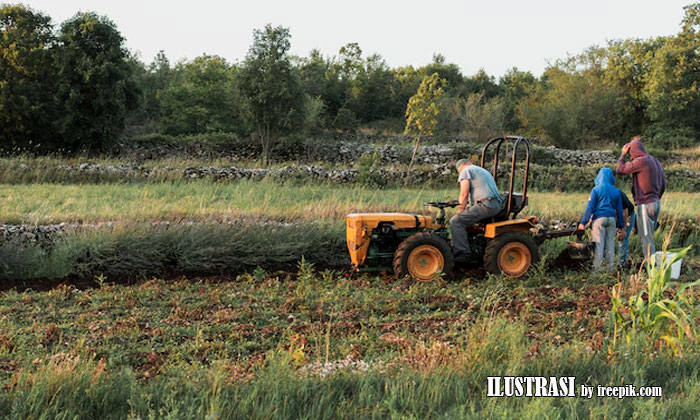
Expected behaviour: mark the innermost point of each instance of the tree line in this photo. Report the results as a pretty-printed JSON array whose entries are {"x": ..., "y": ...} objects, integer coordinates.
[{"x": 75, "y": 86}]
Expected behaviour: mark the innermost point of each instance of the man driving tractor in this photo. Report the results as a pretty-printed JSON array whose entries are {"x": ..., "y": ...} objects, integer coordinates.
[
  {"x": 479, "y": 199},
  {"x": 486, "y": 231}
]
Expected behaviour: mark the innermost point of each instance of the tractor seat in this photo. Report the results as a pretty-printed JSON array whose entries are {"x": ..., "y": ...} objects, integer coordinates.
[{"x": 504, "y": 213}]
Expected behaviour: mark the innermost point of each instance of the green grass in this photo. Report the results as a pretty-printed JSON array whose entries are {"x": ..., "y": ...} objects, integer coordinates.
[
  {"x": 249, "y": 349},
  {"x": 134, "y": 252},
  {"x": 245, "y": 346},
  {"x": 133, "y": 249},
  {"x": 51, "y": 203}
]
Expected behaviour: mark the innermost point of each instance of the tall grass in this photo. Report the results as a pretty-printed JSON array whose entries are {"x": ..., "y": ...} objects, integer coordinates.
[
  {"x": 47, "y": 203},
  {"x": 370, "y": 173},
  {"x": 137, "y": 251}
]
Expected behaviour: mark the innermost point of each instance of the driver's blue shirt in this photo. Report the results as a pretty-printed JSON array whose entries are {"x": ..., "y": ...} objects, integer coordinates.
[{"x": 481, "y": 186}]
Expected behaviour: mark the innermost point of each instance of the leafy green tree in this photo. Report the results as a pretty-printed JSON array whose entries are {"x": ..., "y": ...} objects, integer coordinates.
[
  {"x": 312, "y": 72},
  {"x": 627, "y": 66},
  {"x": 153, "y": 81},
  {"x": 422, "y": 111},
  {"x": 449, "y": 72},
  {"x": 576, "y": 104},
  {"x": 346, "y": 120},
  {"x": 672, "y": 88},
  {"x": 96, "y": 87},
  {"x": 314, "y": 116},
  {"x": 482, "y": 83},
  {"x": 406, "y": 82},
  {"x": 203, "y": 98},
  {"x": 27, "y": 79},
  {"x": 350, "y": 64},
  {"x": 321, "y": 84},
  {"x": 371, "y": 91},
  {"x": 515, "y": 85},
  {"x": 271, "y": 87}
]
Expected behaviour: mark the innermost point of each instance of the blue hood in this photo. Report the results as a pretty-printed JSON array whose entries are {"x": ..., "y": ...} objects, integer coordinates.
[
  {"x": 605, "y": 177},
  {"x": 605, "y": 200}
]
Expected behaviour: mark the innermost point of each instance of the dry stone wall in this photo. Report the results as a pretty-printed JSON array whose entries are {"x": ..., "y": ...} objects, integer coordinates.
[
  {"x": 543, "y": 178},
  {"x": 348, "y": 152}
]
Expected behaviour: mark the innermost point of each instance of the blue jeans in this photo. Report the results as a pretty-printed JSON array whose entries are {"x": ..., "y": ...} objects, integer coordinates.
[
  {"x": 604, "y": 238},
  {"x": 470, "y": 216},
  {"x": 623, "y": 247}
]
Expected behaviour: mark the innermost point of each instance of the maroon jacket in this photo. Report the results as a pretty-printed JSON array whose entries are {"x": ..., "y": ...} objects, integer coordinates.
[{"x": 648, "y": 179}]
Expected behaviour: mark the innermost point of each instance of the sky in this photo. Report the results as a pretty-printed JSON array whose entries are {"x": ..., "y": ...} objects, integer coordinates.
[{"x": 494, "y": 35}]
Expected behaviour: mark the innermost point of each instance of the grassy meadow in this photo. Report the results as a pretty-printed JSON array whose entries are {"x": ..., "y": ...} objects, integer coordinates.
[
  {"x": 55, "y": 203},
  {"x": 235, "y": 305}
]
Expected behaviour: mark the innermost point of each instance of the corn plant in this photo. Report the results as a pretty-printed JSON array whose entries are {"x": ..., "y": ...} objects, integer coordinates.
[{"x": 662, "y": 310}]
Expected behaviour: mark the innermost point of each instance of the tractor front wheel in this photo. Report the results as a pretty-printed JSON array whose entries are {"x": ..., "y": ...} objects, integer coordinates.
[
  {"x": 423, "y": 256},
  {"x": 511, "y": 253}
]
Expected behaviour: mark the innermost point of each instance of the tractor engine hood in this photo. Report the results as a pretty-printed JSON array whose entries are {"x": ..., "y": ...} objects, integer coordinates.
[{"x": 359, "y": 228}]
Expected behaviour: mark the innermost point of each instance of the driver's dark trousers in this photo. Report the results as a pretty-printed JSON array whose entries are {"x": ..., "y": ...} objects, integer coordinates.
[{"x": 470, "y": 216}]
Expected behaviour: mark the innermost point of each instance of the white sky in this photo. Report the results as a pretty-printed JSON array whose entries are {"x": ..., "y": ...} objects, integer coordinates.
[{"x": 494, "y": 35}]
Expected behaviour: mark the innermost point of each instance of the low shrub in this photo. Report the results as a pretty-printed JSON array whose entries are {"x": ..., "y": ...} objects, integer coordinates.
[{"x": 669, "y": 138}]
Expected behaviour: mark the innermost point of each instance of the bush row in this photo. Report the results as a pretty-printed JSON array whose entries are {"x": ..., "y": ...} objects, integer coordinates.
[{"x": 140, "y": 251}]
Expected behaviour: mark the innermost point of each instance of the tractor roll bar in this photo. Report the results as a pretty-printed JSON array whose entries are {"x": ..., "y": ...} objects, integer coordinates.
[{"x": 517, "y": 141}]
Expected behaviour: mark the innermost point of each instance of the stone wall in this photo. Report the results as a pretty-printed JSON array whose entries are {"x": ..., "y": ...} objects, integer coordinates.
[
  {"x": 543, "y": 178},
  {"x": 348, "y": 152}
]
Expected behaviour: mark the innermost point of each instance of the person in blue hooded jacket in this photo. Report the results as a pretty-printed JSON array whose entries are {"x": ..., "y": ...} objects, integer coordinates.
[{"x": 604, "y": 211}]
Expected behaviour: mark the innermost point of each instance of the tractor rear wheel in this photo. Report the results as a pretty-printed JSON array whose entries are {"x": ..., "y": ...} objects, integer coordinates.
[
  {"x": 511, "y": 253},
  {"x": 423, "y": 256}
]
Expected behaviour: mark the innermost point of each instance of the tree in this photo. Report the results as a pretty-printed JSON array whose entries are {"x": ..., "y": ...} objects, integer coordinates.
[
  {"x": 475, "y": 116},
  {"x": 27, "y": 78},
  {"x": 422, "y": 111},
  {"x": 271, "y": 87},
  {"x": 452, "y": 77},
  {"x": 350, "y": 64},
  {"x": 481, "y": 82},
  {"x": 371, "y": 91},
  {"x": 312, "y": 72},
  {"x": 628, "y": 63},
  {"x": 515, "y": 85},
  {"x": 96, "y": 87},
  {"x": 672, "y": 87},
  {"x": 406, "y": 82},
  {"x": 153, "y": 81},
  {"x": 576, "y": 104},
  {"x": 203, "y": 99}
]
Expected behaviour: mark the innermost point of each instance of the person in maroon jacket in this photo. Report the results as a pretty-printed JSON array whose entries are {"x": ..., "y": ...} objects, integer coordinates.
[{"x": 648, "y": 186}]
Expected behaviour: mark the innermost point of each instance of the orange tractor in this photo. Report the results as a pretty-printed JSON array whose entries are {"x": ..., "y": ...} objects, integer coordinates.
[{"x": 418, "y": 246}]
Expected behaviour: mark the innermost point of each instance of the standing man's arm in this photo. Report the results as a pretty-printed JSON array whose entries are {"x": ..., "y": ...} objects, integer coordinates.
[
  {"x": 627, "y": 167},
  {"x": 464, "y": 186}
]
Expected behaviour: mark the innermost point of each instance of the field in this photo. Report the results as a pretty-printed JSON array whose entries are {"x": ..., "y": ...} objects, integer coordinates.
[
  {"x": 316, "y": 345},
  {"x": 198, "y": 299},
  {"x": 55, "y": 203},
  {"x": 174, "y": 240}
]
